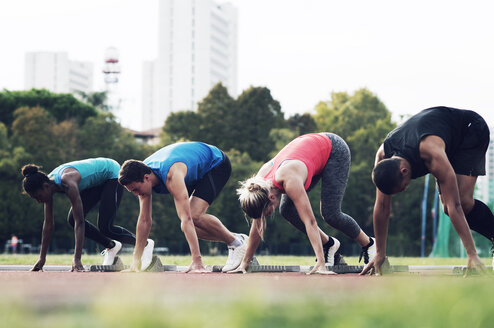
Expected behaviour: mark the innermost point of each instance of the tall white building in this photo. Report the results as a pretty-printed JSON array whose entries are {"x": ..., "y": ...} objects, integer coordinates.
[
  {"x": 197, "y": 48},
  {"x": 55, "y": 72}
]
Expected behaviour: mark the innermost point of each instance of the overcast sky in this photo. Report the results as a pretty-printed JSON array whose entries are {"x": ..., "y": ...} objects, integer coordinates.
[{"x": 412, "y": 54}]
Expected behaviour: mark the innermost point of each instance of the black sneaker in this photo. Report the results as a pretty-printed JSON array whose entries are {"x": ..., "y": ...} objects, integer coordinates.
[
  {"x": 330, "y": 252},
  {"x": 368, "y": 252}
]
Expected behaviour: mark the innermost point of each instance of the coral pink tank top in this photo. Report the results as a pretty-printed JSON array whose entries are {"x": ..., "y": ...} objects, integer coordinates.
[{"x": 312, "y": 149}]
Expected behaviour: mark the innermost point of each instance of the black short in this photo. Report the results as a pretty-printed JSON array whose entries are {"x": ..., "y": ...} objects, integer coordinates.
[
  {"x": 212, "y": 182},
  {"x": 469, "y": 158}
]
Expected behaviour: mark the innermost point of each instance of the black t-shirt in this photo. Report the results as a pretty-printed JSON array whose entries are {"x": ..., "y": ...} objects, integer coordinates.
[{"x": 450, "y": 124}]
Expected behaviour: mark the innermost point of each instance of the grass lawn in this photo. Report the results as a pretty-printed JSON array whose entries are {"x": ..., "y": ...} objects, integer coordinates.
[
  {"x": 66, "y": 259},
  {"x": 243, "y": 301}
]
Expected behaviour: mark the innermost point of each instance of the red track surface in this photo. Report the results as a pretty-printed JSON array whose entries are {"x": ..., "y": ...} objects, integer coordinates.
[{"x": 41, "y": 289}]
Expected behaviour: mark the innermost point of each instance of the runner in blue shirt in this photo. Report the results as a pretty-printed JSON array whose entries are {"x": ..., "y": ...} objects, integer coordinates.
[{"x": 194, "y": 174}]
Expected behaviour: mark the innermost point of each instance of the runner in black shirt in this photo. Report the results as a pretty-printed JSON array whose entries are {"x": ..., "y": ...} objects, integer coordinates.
[{"x": 450, "y": 144}]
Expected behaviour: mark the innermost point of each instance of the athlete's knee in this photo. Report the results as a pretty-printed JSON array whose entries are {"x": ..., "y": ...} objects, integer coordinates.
[
  {"x": 198, "y": 219},
  {"x": 467, "y": 204},
  {"x": 333, "y": 218}
]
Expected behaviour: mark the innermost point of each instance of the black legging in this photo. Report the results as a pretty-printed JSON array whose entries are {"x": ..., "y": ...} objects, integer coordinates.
[
  {"x": 334, "y": 181},
  {"x": 109, "y": 195}
]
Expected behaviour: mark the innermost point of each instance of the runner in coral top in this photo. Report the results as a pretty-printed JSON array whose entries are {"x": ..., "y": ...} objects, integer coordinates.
[{"x": 292, "y": 173}]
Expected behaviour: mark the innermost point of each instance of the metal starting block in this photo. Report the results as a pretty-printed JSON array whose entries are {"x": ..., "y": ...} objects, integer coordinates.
[
  {"x": 170, "y": 267},
  {"x": 461, "y": 270},
  {"x": 274, "y": 268},
  {"x": 155, "y": 266},
  {"x": 115, "y": 267},
  {"x": 256, "y": 267},
  {"x": 218, "y": 268}
]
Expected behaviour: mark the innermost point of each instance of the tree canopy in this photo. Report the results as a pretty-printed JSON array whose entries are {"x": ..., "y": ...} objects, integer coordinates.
[{"x": 48, "y": 129}]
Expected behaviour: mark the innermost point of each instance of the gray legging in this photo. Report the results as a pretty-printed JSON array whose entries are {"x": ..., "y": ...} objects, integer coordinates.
[{"x": 334, "y": 180}]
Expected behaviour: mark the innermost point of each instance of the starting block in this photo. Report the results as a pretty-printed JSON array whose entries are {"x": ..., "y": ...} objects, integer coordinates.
[
  {"x": 461, "y": 270},
  {"x": 274, "y": 268},
  {"x": 345, "y": 268},
  {"x": 115, "y": 267},
  {"x": 218, "y": 268},
  {"x": 256, "y": 267},
  {"x": 155, "y": 266},
  {"x": 170, "y": 267}
]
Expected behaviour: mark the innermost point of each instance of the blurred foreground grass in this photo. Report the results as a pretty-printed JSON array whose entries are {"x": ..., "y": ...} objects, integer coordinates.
[
  {"x": 66, "y": 259},
  {"x": 245, "y": 301}
]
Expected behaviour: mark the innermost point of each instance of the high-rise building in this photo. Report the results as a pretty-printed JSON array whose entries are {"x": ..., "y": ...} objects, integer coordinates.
[
  {"x": 197, "y": 48},
  {"x": 55, "y": 72}
]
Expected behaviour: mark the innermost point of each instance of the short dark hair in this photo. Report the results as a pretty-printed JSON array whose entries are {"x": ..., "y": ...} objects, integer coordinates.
[
  {"x": 386, "y": 175},
  {"x": 33, "y": 178},
  {"x": 132, "y": 171}
]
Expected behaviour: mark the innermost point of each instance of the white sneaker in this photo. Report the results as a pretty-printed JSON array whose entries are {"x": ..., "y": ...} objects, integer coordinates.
[
  {"x": 368, "y": 252},
  {"x": 236, "y": 254},
  {"x": 110, "y": 253},
  {"x": 147, "y": 255},
  {"x": 330, "y": 252}
]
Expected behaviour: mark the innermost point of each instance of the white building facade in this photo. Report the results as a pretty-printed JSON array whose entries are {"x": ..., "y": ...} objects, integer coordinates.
[
  {"x": 55, "y": 72},
  {"x": 197, "y": 48}
]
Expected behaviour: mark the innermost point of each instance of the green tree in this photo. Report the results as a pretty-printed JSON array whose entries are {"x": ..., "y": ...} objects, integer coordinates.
[
  {"x": 96, "y": 99},
  {"x": 102, "y": 136},
  {"x": 182, "y": 126},
  {"x": 33, "y": 128},
  {"x": 61, "y": 106},
  {"x": 303, "y": 124},
  {"x": 217, "y": 111},
  {"x": 243, "y": 124},
  {"x": 257, "y": 114}
]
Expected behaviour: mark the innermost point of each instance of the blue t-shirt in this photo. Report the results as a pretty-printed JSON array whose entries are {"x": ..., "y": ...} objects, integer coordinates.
[
  {"x": 94, "y": 171},
  {"x": 200, "y": 158}
]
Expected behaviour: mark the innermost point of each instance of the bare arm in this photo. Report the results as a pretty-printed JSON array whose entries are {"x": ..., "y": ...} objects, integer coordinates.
[
  {"x": 382, "y": 210},
  {"x": 46, "y": 234},
  {"x": 432, "y": 151},
  {"x": 48, "y": 227},
  {"x": 253, "y": 243},
  {"x": 294, "y": 188},
  {"x": 436, "y": 160},
  {"x": 70, "y": 185},
  {"x": 175, "y": 183},
  {"x": 381, "y": 213},
  {"x": 143, "y": 227}
]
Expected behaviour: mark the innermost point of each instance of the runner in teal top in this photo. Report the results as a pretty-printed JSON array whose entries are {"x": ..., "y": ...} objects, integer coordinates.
[
  {"x": 85, "y": 183},
  {"x": 193, "y": 173},
  {"x": 93, "y": 171}
]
